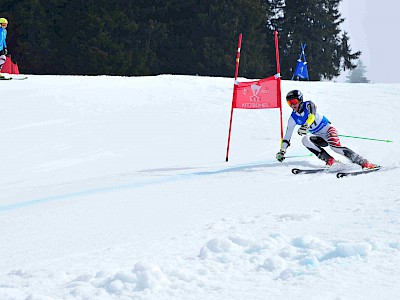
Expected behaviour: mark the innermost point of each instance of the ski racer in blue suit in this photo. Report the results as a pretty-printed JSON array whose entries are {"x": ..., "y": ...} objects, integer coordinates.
[{"x": 317, "y": 132}]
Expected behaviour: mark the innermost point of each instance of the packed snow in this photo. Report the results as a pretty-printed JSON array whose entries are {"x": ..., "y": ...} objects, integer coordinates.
[{"x": 118, "y": 188}]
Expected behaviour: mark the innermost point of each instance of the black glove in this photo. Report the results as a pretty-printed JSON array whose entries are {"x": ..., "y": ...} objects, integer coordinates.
[
  {"x": 280, "y": 156},
  {"x": 303, "y": 129}
]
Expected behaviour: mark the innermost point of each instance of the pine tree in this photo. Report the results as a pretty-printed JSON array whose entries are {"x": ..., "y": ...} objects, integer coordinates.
[
  {"x": 315, "y": 23},
  {"x": 348, "y": 57},
  {"x": 203, "y": 37},
  {"x": 357, "y": 75}
]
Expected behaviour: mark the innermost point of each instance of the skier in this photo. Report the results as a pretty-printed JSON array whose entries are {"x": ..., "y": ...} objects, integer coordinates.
[
  {"x": 322, "y": 133},
  {"x": 3, "y": 45}
]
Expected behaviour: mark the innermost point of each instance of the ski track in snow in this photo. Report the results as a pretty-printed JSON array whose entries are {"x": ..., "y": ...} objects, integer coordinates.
[{"x": 134, "y": 185}]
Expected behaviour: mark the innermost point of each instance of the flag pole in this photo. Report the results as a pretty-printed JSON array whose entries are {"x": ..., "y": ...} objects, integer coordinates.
[
  {"x": 233, "y": 95},
  {"x": 278, "y": 71}
]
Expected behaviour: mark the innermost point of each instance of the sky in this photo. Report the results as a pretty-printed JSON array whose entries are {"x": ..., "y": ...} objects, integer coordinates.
[
  {"x": 117, "y": 188},
  {"x": 373, "y": 29}
]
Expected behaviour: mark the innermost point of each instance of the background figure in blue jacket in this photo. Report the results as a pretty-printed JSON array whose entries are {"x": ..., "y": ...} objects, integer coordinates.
[{"x": 3, "y": 45}]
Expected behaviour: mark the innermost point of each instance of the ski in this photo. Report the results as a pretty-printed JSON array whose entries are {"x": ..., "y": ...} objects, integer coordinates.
[
  {"x": 13, "y": 78},
  {"x": 333, "y": 169},
  {"x": 355, "y": 173},
  {"x": 309, "y": 171}
]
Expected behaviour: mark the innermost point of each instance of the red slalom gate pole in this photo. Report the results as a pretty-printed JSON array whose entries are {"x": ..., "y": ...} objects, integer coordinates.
[
  {"x": 233, "y": 96},
  {"x": 278, "y": 71}
]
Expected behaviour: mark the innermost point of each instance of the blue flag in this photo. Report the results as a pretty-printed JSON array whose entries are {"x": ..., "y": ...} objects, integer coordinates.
[{"x": 301, "y": 70}]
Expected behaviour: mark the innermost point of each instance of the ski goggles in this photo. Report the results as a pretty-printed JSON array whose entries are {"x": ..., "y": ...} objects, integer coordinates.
[{"x": 293, "y": 101}]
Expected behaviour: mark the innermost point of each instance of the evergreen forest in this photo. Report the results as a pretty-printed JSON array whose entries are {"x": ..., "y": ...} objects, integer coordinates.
[{"x": 192, "y": 37}]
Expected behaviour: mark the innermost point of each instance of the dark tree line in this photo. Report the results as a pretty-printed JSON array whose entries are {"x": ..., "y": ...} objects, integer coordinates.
[{"x": 148, "y": 37}]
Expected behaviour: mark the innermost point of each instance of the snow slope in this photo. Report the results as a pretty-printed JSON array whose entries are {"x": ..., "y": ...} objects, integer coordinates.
[{"x": 117, "y": 188}]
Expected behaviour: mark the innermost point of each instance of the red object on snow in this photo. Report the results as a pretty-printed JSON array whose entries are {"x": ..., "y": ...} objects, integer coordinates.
[{"x": 10, "y": 67}]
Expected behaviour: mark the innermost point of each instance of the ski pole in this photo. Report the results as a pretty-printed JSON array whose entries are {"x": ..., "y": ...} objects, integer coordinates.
[
  {"x": 296, "y": 156},
  {"x": 365, "y": 138}
]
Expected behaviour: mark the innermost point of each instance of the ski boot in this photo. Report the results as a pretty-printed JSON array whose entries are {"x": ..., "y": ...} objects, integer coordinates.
[
  {"x": 330, "y": 162},
  {"x": 367, "y": 165}
]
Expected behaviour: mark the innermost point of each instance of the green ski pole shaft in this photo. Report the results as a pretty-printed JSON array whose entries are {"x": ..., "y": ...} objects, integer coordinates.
[{"x": 365, "y": 138}]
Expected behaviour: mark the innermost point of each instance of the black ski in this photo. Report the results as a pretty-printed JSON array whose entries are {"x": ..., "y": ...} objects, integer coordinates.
[
  {"x": 13, "y": 78},
  {"x": 355, "y": 173},
  {"x": 309, "y": 171}
]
